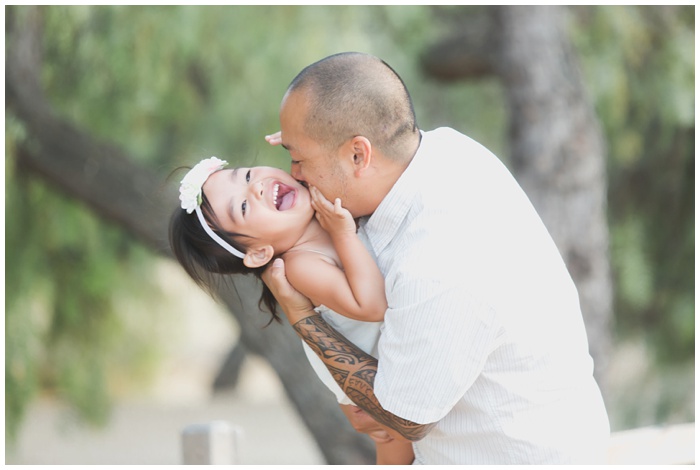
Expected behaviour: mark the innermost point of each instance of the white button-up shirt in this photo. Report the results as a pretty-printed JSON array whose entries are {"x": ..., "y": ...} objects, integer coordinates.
[{"x": 484, "y": 333}]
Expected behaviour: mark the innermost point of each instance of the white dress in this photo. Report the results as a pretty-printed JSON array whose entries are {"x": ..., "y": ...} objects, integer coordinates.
[{"x": 363, "y": 334}]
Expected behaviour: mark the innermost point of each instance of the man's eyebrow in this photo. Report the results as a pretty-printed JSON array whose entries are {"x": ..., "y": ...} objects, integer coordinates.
[{"x": 286, "y": 147}]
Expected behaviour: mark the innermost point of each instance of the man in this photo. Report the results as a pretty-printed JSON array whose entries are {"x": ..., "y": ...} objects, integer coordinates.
[{"x": 483, "y": 356}]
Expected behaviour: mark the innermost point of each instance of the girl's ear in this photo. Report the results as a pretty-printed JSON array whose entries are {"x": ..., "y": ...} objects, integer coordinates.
[
  {"x": 256, "y": 257},
  {"x": 362, "y": 153}
]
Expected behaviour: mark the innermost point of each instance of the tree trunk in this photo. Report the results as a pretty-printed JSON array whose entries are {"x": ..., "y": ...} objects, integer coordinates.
[
  {"x": 558, "y": 152},
  {"x": 139, "y": 200}
]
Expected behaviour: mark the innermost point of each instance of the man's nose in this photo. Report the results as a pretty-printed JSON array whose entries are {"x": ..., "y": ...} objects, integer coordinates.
[{"x": 296, "y": 173}]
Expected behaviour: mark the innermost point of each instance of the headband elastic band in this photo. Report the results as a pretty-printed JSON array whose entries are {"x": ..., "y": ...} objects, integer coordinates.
[
  {"x": 222, "y": 243},
  {"x": 191, "y": 197}
]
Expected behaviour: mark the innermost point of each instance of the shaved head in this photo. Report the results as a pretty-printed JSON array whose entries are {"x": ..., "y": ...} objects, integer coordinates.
[{"x": 351, "y": 94}]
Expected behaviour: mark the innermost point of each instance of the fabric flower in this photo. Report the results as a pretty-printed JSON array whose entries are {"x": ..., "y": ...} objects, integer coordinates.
[{"x": 191, "y": 184}]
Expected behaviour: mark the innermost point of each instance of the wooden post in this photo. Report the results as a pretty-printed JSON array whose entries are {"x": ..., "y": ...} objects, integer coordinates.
[{"x": 213, "y": 443}]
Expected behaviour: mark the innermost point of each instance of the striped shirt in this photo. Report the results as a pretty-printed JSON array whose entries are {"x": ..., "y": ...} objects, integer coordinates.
[{"x": 484, "y": 333}]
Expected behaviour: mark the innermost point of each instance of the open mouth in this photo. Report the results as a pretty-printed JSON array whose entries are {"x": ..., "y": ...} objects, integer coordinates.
[{"x": 283, "y": 196}]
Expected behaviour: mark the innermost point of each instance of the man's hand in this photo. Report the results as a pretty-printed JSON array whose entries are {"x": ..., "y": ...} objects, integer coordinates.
[
  {"x": 293, "y": 303},
  {"x": 334, "y": 218}
]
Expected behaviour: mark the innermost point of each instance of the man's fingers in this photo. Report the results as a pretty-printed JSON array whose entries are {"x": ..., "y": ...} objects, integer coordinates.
[{"x": 274, "y": 275}]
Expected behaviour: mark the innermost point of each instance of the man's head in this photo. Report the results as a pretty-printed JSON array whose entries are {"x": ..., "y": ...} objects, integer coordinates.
[{"x": 349, "y": 125}]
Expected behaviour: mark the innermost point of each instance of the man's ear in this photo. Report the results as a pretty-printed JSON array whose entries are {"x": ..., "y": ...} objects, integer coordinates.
[
  {"x": 256, "y": 257},
  {"x": 362, "y": 154}
]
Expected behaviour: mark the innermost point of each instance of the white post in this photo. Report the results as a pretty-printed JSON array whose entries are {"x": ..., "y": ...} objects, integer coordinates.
[{"x": 213, "y": 443}]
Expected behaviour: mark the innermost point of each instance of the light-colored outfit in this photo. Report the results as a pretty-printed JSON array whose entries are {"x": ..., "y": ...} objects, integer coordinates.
[
  {"x": 362, "y": 334},
  {"x": 484, "y": 332}
]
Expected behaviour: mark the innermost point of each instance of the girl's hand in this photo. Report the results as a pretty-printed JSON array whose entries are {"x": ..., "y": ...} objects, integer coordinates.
[
  {"x": 274, "y": 139},
  {"x": 334, "y": 218}
]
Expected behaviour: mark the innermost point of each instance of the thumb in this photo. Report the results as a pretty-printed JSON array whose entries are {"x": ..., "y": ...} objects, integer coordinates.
[
  {"x": 278, "y": 268},
  {"x": 274, "y": 274}
]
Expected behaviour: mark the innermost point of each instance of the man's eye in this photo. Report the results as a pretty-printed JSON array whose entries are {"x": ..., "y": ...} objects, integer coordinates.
[
  {"x": 244, "y": 206},
  {"x": 296, "y": 162},
  {"x": 247, "y": 177}
]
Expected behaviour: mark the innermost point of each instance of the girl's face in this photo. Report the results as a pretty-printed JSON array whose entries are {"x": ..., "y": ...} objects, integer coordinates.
[{"x": 263, "y": 203}]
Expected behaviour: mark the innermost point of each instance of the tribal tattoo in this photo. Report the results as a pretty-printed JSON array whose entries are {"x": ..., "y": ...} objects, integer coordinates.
[{"x": 354, "y": 371}]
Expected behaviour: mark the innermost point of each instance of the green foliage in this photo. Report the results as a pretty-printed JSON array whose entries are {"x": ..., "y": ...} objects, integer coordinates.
[
  {"x": 639, "y": 62},
  {"x": 184, "y": 82},
  {"x": 63, "y": 269}
]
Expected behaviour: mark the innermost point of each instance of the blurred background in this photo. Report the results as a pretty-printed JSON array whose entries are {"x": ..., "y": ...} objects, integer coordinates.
[{"x": 110, "y": 351}]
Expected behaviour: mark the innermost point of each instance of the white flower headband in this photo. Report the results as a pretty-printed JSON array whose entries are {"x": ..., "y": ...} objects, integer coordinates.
[{"x": 191, "y": 197}]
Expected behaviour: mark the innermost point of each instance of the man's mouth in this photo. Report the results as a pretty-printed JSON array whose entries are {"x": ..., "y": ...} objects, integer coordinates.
[{"x": 283, "y": 196}]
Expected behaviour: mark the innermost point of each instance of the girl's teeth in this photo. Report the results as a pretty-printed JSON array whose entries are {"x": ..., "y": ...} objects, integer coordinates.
[{"x": 274, "y": 197}]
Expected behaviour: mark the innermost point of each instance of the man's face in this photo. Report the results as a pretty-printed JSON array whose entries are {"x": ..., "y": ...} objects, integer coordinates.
[{"x": 312, "y": 163}]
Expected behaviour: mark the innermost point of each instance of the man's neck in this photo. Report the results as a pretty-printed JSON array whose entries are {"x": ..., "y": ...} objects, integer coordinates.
[{"x": 392, "y": 170}]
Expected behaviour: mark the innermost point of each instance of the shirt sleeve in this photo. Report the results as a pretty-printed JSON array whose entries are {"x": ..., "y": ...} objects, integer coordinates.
[{"x": 433, "y": 346}]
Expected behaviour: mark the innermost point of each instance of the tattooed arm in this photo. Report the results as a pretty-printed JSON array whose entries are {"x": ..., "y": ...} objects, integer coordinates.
[{"x": 352, "y": 368}]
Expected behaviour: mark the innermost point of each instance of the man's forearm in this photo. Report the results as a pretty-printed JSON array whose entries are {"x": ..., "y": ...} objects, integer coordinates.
[{"x": 354, "y": 371}]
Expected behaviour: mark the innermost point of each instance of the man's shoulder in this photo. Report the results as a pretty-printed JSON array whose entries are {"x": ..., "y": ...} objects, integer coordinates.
[
  {"x": 452, "y": 146},
  {"x": 443, "y": 132}
]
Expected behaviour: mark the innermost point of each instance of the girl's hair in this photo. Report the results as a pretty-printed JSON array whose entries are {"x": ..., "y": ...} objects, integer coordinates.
[{"x": 203, "y": 259}]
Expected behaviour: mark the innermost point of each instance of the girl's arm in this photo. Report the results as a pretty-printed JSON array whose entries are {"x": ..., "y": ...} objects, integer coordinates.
[
  {"x": 364, "y": 278},
  {"x": 357, "y": 290},
  {"x": 324, "y": 283}
]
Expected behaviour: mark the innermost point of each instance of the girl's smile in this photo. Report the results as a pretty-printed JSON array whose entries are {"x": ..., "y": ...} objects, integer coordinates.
[
  {"x": 265, "y": 204},
  {"x": 284, "y": 196}
]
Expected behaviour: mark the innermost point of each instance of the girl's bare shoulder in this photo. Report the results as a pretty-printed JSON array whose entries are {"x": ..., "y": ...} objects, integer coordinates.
[{"x": 303, "y": 256}]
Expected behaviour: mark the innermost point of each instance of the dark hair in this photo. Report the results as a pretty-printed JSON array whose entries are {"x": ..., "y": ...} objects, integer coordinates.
[{"x": 205, "y": 261}]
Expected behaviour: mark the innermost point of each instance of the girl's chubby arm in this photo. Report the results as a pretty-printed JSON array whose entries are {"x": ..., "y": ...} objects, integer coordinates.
[
  {"x": 324, "y": 283},
  {"x": 357, "y": 290}
]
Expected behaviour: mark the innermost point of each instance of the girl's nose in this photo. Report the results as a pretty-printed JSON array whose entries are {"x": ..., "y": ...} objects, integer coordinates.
[{"x": 257, "y": 189}]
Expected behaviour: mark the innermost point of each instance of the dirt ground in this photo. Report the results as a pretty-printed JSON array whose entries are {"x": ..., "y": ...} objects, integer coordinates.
[
  {"x": 150, "y": 432},
  {"x": 194, "y": 335}
]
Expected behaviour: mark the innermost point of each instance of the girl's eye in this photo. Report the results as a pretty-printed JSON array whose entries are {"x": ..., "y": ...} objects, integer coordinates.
[
  {"x": 247, "y": 177},
  {"x": 244, "y": 206}
]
